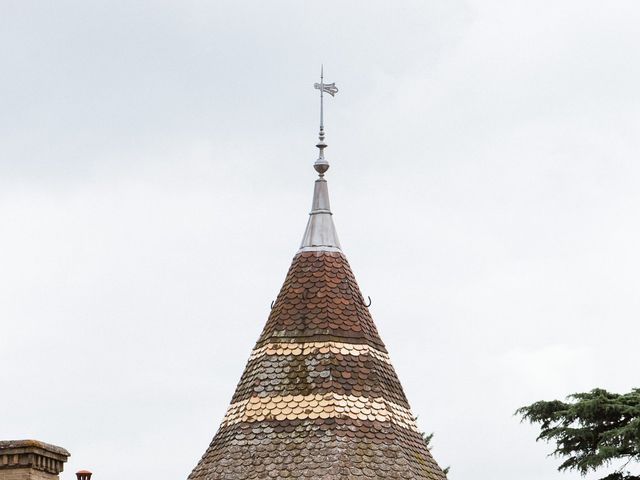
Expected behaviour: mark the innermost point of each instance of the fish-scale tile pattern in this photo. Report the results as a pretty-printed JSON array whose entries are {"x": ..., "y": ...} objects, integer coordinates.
[
  {"x": 322, "y": 448},
  {"x": 307, "y": 348},
  {"x": 318, "y": 405},
  {"x": 319, "y": 398},
  {"x": 320, "y": 372},
  {"x": 320, "y": 298}
]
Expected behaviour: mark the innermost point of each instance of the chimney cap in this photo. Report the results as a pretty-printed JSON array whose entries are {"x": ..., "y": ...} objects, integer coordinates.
[
  {"x": 31, "y": 444},
  {"x": 83, "y": 471}
]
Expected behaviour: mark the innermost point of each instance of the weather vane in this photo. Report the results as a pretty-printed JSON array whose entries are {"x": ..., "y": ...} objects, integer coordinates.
[{"x": 321, "y": 164}]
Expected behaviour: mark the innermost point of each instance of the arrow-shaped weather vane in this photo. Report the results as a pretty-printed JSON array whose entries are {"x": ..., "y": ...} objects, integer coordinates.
[{"x": 321, "y": 164}]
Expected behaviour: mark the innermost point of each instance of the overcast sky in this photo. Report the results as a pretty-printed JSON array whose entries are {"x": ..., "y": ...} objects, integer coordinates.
[{"x": 155, "y": 181}]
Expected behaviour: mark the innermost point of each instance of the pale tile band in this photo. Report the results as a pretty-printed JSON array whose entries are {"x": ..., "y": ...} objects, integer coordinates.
[
  {"x": 311, "y": 348},
  {"x": 328, "y": 405}
]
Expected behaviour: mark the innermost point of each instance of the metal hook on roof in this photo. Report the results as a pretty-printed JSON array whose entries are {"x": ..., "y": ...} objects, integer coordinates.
[
  {"x": 272, "y": 302},
  {"x": 365, "y": 303}
]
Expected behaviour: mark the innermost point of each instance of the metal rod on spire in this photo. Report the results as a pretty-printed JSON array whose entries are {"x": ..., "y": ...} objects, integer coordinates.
[
  {"x": 321, "y": 164},
  {"x": 321, "y": 98}
]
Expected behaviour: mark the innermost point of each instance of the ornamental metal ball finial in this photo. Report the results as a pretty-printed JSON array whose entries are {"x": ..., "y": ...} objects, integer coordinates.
[{"x": 321, "y": 165}]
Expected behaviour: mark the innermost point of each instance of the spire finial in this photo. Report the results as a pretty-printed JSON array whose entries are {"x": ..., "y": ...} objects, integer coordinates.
[
  {"x": 320, "y": 233},
  {"x": 321, "y": 164}
]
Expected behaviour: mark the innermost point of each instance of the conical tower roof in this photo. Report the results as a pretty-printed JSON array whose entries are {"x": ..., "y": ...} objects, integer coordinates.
[{"x": 319, "y": 398}]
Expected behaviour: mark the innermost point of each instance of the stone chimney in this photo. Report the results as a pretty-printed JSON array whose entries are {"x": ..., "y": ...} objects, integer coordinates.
[{"x": 30, "y": 460}]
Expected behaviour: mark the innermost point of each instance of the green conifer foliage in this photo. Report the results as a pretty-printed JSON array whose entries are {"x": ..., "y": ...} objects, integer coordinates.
[{"x": 591, "y": 430}]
